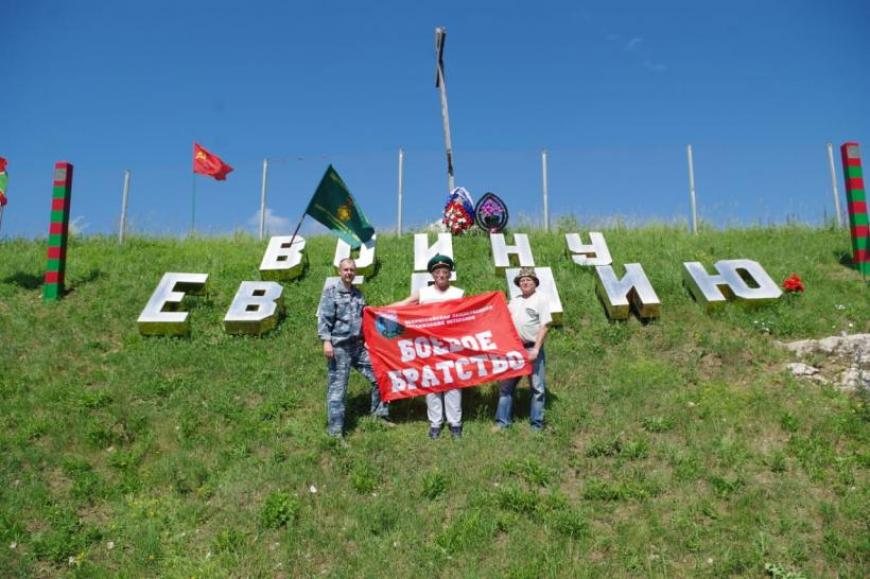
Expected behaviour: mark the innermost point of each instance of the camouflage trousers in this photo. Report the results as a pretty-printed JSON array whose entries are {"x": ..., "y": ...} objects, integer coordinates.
[{"x": 349, "y": 355}]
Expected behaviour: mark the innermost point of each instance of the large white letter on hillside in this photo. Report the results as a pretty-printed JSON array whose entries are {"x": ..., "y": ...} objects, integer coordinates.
[
  {"x": 618, "y": 295},
  {"x": 595, "y": 253},
  {"x": 365, "y": 261},
  {"x": 282, "y": 262},
  {"x": 255, "y": 309},
  {"x": 502, "y": 252},
  {"x": 733, "y": 279},
  {"x": 423, "y": 252},
  {"x": 162, "y": 315}
]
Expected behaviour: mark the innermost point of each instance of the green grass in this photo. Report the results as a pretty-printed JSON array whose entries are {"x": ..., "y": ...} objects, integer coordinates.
[{"x": 674, "y": 448}]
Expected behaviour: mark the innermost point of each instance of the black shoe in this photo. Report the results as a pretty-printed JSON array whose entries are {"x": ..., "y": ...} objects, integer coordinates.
[
  {"x": 456, "y": 431},
  {"x": 434, "y": 432}
]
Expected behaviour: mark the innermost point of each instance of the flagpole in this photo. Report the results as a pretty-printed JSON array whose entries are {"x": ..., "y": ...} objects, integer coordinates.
[
  {"x": 440, "y": 37},
  {"x": 263, "y": 198},
  {"x": 2, "y": 209},
  {"x": 545, "y": 190},
  {"x": 834, "y": 185},
  {"x": 123, "y": 224},
  {"x": 301, "y": 219},
  {"x": 692, "y": 190},
  {"x": 193, "y": 207},
  {"x": 401, "y": 191}
]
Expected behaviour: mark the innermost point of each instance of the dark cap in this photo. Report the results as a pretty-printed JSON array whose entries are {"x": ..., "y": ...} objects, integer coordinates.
[{"x": 440, "y": 261}]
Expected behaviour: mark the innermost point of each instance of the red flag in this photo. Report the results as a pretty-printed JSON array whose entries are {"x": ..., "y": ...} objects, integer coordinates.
[
  {"x": 206, "y": 163},
  {"x": 418, "y": 350},
  {"x": 3, "y": 180}
]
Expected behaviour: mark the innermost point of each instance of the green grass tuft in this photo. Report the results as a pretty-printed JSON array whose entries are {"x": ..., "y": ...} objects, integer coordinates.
[{"x": 278, "y": 510}]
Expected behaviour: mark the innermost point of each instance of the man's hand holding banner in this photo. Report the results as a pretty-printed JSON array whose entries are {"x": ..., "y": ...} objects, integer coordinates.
[{"x": 421, "y": 349}]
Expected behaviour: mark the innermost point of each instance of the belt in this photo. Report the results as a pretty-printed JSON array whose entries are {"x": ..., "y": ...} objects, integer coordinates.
[{"x": 528, "y": 344}]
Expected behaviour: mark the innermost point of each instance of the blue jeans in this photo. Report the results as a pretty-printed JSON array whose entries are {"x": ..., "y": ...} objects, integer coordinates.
[
  {"x": 504, "y": 412},
  {"x": 347, "y": 355}
]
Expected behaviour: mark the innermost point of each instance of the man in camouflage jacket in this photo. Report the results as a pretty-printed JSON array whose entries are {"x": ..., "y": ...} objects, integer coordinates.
[{"x": 339, "y": 326}]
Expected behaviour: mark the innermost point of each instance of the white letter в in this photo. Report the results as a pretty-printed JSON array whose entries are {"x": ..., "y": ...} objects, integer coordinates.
[{"x": 255, "y": 309}]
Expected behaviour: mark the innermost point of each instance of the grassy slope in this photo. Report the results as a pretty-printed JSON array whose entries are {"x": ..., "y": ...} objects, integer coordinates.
[{"x": 678, "y": 447}]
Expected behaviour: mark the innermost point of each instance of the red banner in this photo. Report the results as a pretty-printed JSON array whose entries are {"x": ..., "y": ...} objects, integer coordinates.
[
  {"x": 206, "y": 163},
  {"x": 417, "y": 350}
]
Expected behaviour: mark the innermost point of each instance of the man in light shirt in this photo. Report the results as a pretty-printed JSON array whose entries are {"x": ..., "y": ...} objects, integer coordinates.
[
  {"x": 449, "y": 403},
  {"x": 531, "y": 315}
]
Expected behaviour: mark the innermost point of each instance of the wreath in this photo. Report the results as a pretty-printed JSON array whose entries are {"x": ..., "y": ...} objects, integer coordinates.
[{"x": 459, "y": 211}]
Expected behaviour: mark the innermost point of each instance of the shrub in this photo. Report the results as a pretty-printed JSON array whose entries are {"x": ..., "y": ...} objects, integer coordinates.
[{"x": 278, "y": 510}]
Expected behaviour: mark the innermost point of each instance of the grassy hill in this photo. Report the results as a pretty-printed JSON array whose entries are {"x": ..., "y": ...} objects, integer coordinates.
[{"x": 679, "y": 447}]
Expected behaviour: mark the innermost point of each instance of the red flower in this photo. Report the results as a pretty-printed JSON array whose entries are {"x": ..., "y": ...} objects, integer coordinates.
[{"x": 793, "y": 284}]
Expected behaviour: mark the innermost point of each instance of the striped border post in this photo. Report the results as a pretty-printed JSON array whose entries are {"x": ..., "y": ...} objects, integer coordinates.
[
  {"x": 856, "y": 199},
  {"x": 52, "y": 288}
]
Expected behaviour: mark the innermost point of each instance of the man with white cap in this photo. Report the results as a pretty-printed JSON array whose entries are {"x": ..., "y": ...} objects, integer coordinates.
[
  {"x": 531, "y": 315},
  {"x": 448, "y": 403}
]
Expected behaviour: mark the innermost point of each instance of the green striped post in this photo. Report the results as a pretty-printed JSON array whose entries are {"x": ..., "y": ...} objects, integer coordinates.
[
  {"x": 856, "y": 198},
  {"x": 58, "y": 230}
]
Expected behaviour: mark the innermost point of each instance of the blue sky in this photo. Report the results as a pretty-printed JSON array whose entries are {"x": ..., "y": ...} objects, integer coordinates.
[{"x": 614, "y": 91}]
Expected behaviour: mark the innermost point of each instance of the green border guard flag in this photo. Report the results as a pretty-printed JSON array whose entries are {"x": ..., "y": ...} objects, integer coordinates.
[{"x": 334, "y": 206}]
